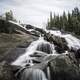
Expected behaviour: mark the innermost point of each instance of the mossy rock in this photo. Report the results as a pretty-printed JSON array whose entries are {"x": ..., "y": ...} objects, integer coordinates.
[{"x": 62, "y": 68}]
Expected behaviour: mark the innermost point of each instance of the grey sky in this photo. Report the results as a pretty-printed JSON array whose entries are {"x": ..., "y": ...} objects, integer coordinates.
[{"x": 36, "y": 12}]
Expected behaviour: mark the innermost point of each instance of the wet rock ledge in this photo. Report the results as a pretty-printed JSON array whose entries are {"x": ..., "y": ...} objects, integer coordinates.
[{"x": 62, "y": 67}]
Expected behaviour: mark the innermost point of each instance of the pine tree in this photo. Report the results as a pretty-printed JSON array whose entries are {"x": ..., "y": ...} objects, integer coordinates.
[
  {"x": 75, "y": 21},
  {"x": 57, "y": 24},
  {"x": 64, "y": 21},
  {"x": 70, "y": 22},
  {"x": 51, "y": 20},
  {"x": 61, "y": 22},
  {"x": 9, "y": 15}
]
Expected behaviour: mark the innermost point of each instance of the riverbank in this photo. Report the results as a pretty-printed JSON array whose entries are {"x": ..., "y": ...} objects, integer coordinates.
[{"x": 9, "y": 42}]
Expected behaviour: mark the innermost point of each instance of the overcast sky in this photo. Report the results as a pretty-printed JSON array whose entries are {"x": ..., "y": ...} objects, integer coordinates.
[{"x": 36, "y": 12}]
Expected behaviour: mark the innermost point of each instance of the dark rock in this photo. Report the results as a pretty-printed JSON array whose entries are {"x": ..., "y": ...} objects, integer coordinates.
[
  {"x": 38, "y": 54},
  {"x": 63, "y": 68},
  {"x": 72, "y": 50},
  {"x": 59, "y": 42},
  {"x": 59, "y": 49},
  {"x": 77, "y": 54},
  {"x": 45, "y": 47},
  {"x": 6, "y": 72},
  {"x": 56, "y": 39},
  {"x": 35, "y": 28},
  {"x": 34, "y": 32},
  {"x": 13, "y": 54},
  {"x": 40, "y": 30},
  {"x": 29, "y": 26}
]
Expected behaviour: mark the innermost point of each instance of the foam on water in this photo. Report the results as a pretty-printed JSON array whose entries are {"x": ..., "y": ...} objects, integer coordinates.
[
  {"x": 21, "y": 61},
  {"x": 71, "y": 40},
  {"x": 33, "y": 74}
]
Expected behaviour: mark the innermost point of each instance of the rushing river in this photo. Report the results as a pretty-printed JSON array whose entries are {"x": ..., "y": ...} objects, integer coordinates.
[{"x": 37, "y": 52}]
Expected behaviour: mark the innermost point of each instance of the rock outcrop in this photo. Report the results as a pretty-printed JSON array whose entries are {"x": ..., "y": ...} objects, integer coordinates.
[
  {"x": 59, "y": 42},
  {"x": 6, "y": 71},
  {"x": 63, "y": 68}
]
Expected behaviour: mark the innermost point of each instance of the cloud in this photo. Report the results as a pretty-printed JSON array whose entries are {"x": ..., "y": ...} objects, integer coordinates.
[{"x": 36, "y": 12}]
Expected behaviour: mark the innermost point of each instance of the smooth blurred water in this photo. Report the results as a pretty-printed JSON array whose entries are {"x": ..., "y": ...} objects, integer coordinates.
[
  {"x": 33, "y": 74},
  {"x": 36, "y": 46}
]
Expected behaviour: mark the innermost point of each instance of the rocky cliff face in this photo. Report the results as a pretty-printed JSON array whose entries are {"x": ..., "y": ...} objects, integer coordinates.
[{"x": 64, "y": 68}]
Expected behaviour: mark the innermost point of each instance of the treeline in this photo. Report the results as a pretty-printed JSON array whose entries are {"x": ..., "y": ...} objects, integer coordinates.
[
  {"x": 8, "y": 16},
  {"x": 5, "y": 26},
  {"x": 68, "y": 22}
]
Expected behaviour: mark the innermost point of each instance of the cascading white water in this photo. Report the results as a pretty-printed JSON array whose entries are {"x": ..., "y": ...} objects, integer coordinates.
[
  {"x": 43, "y": 47},
  {"x": 33, "y": 74},
  {"x": 40, "y": 46},
  {"x": 48, "y": 73},
  {"x": 71, "y": 40},
  {"x": 36, "y": 45}
]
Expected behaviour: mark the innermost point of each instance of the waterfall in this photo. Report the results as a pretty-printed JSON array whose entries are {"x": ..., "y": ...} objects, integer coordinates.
[
  {"x": 37, "y": 50},
  {"x": 45, "y": 47},
  {"x": 37, "y": 46},
  {"x": 48, "y": 73},
  {"x": 41, "y": 47},
  {"x": 72, "y": 41},
  {"x": 33, "y": 74}
]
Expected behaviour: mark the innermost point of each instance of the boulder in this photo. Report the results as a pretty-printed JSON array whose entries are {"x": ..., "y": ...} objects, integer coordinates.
[
  {"x": 59, "y": 42},
  {"x": 28, "y": 26},
  {"x": 63, "y": 68},
  {"x": 6, "y": 72}
]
